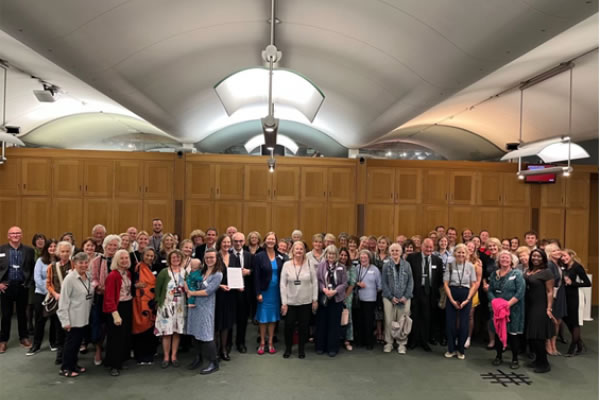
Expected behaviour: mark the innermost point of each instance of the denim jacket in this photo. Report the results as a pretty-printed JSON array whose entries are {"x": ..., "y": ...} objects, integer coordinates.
[{"x": 396, "y": 284}]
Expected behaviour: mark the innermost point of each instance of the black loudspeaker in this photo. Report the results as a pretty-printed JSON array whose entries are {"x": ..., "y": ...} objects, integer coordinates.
[
  {"x": 362, "y": 160},
  {"x": 512, "y": 146},
  {"x": 15, "y": 130},
  {"x": 278, "y": 151}
]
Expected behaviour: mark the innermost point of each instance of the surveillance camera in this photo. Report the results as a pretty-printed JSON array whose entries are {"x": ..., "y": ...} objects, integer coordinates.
[
  {"x": 361, "y": 160},
  {"x": 180, "y": 154}
]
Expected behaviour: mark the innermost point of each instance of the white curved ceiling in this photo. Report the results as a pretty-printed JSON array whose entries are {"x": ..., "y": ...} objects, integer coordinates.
[{"x": 385, "y": 66}]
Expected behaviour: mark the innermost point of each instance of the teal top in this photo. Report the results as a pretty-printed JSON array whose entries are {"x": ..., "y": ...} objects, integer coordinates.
[{"x": 509, "y": 286}]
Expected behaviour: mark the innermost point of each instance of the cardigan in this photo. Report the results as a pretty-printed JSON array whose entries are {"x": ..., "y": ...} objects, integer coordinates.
[
  {"x": 263, "y": 271},
  {"x": 341, "y": 279},
  {"x": 394, "y": 283},
  {"x": 162, "y": 282},
  {"x": 75, "y": 301},
  {"x": 112, "y": 291}
]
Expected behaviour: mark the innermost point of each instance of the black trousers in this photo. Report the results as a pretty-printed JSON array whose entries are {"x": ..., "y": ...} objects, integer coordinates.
[
  {"x": 118, "y": 338},
  {"x": 59, "y": 334},
  {"x": 539, "y": 348},
  {"x": 512, "y": 343},
  {"x": 207, "y": 350},
  {"x": 297, "y": 315},
  {"x": 328, "y": 326},
  {"x": 19, "y": 294},
  {"x": 144, "y": 345},
  {"x": 365, "y": 323},
  {"x": 421, "y": 313},
  {"x": 73, "y": 340},
  {"x": 40, "y": 322},
  {"x": 242, "y": 314}
]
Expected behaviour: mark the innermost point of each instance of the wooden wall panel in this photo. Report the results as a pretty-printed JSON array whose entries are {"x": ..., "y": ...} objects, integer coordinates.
[
  {"x": 127, "y": 213},
  {"x": 257, "y": 217},
  {"x": 227, "y": 213},
  {"x": 515, "y": 221},
  {"x": 341, "y": 217},
  {"x": 36, "y": 177},
  {"x": 490, "y": 219},
  {"x": 313, "y": 218},
  {"x": 407, "y": 221},
  {"x": 576, "y": 233},
  {"x": 379, "y": 219},
  {"x": 10, "y": 177},
  {"x": 313, "y": 184},
  {"x": 129, "y": 179},
  {"x": 67, "y": 216},
  {"x": 35, "y": 217},
  {"x": 552, "y": 224},
  {"x": 10, "y": 214},
  {"x": 198, "y": 215},
  {"x": 432, "y": 217},
  {"x": 284, "y": 218},
  {"x": 341, "y": 183},
  {"x": 67, "y": 180},
  {"x": 461, "y": 217},
  {"x": 98, "y": 211},
  {"x": 163, "y": 209},
  {"x": 380, "y": 185}
]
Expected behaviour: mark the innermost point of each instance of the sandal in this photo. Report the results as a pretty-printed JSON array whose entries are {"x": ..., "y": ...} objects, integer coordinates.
[
  {"x": 69, "y": 374},
  {"x": 348, "y": 346},
  {"x": 272, "y": 350},
  {"x": 261, "y": 350}
]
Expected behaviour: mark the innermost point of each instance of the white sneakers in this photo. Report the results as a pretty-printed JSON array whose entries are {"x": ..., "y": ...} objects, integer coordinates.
[
  {"x": 460, "y": 356},
  {"x": 401, "y": 349},
  {"x": 449, "y": 354},
  {"x": 388, "y": 348}
]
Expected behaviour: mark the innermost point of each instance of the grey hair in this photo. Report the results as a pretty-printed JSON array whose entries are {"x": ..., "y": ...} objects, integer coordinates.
[
  {"x": 79, "y": 257},
  {"x": 98, "y": 226},
  {"x": 115, "y": 261},
  {"x": 331, "y": 249},
  {"x": 109, "y": 239}
]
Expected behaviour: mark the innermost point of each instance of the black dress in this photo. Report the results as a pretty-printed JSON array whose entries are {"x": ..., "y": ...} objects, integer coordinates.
[
  {"x": 225, "y": 309},
  {"x": 572, "y": 293},
  {"x": 559, "y": 308},
  {"x": 538, "y": 325}
]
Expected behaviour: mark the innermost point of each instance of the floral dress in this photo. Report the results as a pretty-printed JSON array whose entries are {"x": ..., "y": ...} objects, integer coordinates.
[
  {"x": 348, "y": 302},
  {"x": 171, "y": 316}
]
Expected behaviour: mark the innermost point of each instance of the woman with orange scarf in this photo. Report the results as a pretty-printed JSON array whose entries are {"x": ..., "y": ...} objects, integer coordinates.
[{"x": 144, "y": 309}]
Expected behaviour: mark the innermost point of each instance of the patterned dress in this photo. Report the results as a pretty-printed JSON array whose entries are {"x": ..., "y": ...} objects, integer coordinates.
[
  {"x": 170, "y": 316},
  {"x": 348, "y": 302},
  {"x": 201, "y": 319}
]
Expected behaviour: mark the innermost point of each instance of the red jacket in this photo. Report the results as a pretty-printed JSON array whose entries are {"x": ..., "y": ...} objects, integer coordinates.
[{"x": 112, "y": 291}]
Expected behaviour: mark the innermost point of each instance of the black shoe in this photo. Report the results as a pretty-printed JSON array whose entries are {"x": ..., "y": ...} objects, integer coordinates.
[
  {"x": 433, "y": 342},
  {"x": 114, "y": 372},
  {"x": 196, "y": 363},
  {"x": 497, "y": 361},
  {"x": 332, "y": 354},
  {"x": 514, "y": 364},
  {"x": 213, "y": 366},
  {"x": 301, "y": 355},
  {"x": 228, "y": 348},
  {"x": 287, "y": 354},
  {"x": 541, "y": 370},
  {"x": 427, "y": 348},
  {"x": 33, "y": 350},
  {"x": 225, "y": 357},
  {"x": 242, "y": 348},
  {"x": 562, "y": 339},
  {"x": 531, "y": 365}
]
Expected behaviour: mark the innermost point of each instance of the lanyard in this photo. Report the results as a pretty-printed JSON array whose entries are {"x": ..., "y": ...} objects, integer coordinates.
[
  {"x": 299, "y": 271},
  {"x": 360, "y": 278},
  {"x": 87, "y": 288},
  {"x": 460, "y": 276},
  {"x": 178, "y": 279}
]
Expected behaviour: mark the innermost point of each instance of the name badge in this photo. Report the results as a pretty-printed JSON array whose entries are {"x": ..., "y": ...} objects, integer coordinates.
[
  {"x": 163, "y": 261},
  {"x": 339, "y": 269},
  {"x": 16, "y": 266},
  {"x": 88, "y": 296},
  {"x": 498, "y": 291},
  {"x": 297, "y": 282},
  {"x": 154, "y": 272},
  {"x": 512, "y": 278},
  {"x": 434, "y": 267},
  {"x": 177, "y": 294},
  {"x": 2, "y": 254},
  {"x": 371, "y": 272}
]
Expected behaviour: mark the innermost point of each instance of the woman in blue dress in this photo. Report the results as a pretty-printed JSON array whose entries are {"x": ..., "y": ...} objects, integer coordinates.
[{"x": 267, "y": 272}]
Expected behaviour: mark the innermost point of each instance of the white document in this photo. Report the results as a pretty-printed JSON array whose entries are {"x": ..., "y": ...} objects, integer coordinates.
[{"x": 235, "y": 280}]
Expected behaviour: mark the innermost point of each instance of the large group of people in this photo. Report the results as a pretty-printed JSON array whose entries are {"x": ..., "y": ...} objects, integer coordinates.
[{"x": 129, "y": 294}]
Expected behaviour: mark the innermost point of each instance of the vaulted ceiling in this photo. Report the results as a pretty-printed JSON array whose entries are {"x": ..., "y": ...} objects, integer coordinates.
[{"x": 436, "y": 73}]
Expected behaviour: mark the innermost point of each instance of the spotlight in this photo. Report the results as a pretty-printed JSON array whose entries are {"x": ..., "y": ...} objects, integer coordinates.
[
  {"x": 271, "y": 164},
  {"x": 49, "y": 94},
  {"x": 270, "y": 126}
]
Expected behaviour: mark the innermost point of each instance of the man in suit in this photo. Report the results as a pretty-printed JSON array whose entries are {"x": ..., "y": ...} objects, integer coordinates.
[
  {"x": 245, "y": 298},
  {"x": 16, "y": 276},
  {"x": 428, "y": 274},
  {"x": 210, "y": 241}
]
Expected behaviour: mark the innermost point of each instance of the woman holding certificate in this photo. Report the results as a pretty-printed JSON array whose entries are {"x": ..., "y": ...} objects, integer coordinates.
[{"x": 225, "y": 312}]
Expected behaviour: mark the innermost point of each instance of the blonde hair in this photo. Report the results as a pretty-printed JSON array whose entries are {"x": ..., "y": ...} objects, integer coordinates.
[
  {"x": 115, "y": 261},
  {"x": 162, "y": 242},
  {"x": 508, "y": 253},
  {"x": 197, "y": 232},
  {"x": 317, "y": 237},
  {"x": 332, "y": 249},
  {"x": 330, "y": 236},
  {"x": 522, "y": 249},
  {"x": 121, "y": 235},
  {"x": 298, "y": 243},
  {"x": 141, "y": 233},
  {"x": 549, "y": 248},
  {"x": 256, "y": 235},
  {"x": 461, "y": 246},
  {"x": 573, "y": 255}
]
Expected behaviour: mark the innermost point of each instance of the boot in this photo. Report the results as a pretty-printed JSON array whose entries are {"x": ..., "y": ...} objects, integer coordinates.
[
  {"x": 196, "y": 363},
  {"x": 213, "y": 366}
]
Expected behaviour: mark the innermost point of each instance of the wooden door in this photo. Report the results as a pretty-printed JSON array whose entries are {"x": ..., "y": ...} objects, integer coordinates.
[
  {"x": 379, "y": 219},
  {"x": 10, "y": 215},
  {"x": 489, "y": 189},
  {"x": 461, "y": 217},
  {"x": 129, "y": 179},
  {"x": 284, "y": 218},
  {"x": 576, "y": 234},
  {"x": 313, "y": 218},
  {"x": 67, "y": 216},
  {"x": 199, "y": 180},
  {"x": 515, "y": 221},
  {"x": 67, "y": 179},
  {"x": 407, "y": 221},
  {"x": 341, "y": 182},
  {"x": 578, "y": 190},
  {"x": 286, "y": 183},
  {"x": 127, "y": 213},
  {"x": 198, "y": 215},
  {"x": 553, "y": 194},
  {"x": 409, "y": 186},
  {"x": 313, "y": 184},
  {"x": 98, "y": 178},
  {"x": 341, "y": 217},
  {"x": 158, "y": 180},
  {"x": 552, "y": 223},
  {"x": 435, "y": 187},
  {"x": 490, "y": 219},
  {"x": 162, "y": 209},
  {"x": 463, "y": 187},
  {"x": 97, "y": 211},
  {"x": 35, "y": 173},
  {"x": 257, "y": 183},
  {"x": 35, "y": 217},
  {"x": 515, "y": 192},
  {"x": 10, "y": 177},
  {"x": 257, "y": 217},
  {"x": 229, "y": 181},
  {"x": 380, "y": 185},
  {"x": 227, "y": 213},
  {"x": 432, "y": 217}
]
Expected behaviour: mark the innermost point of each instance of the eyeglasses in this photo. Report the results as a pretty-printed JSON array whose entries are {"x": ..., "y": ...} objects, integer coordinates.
[
  {"x": 15, "y": 233},
  {"x": 238, "y": 241}
]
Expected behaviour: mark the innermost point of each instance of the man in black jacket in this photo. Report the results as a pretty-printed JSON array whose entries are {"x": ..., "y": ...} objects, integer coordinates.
[
  {"x": 247, "y": 297},
  {"x": 16, "y": 276},
  {"x": 210, "y": 241},
  {"x": 428, "y": 275}
]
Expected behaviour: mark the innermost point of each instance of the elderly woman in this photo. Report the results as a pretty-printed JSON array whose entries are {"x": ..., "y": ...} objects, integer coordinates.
[
  {"x": 100, "y": 269},
  {"x": 118, "y": 309},
  {"x": 397, "y": 284},
  {"x": 299, "y": 289},
  {"x": 74, "y": 311},
  {"x": 172, "y": 305},
  {"x": 489, "y": 266},
  {"x": 333, "y": 281},
  {"x": 315, "y": 256},
  {"x": 55, "y": 275},
  {"x": 40, "y": 271},
  {"x": 574, "y": 278},
  {"x": 201, "y": 318},
  {"x": 343, "y": 240},
  {"x": 267, "y": 265},
  {"x": 368, "y": 283},
  {"x": 522, "y": 254},
  {"x": 540, "y": 326},
  {"x": 348, "y": 330},
  {"x": 144, "y": 308},
  {"x": 460, "y": 284},
  {"x": 506, "y": 292}
]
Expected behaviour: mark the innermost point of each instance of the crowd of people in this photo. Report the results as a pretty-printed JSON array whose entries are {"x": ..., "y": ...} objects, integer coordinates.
[{"x": 127, "y": 294}]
